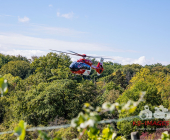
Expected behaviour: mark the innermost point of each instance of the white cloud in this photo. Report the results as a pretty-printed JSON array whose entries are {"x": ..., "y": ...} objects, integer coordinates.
[
  {"x": 68, "y": 15},
  {"x": 25, "y": 53},
  {"x": 58, "y": 14},
  {"x": 24, "y": 19},
  {"x": 28, "y": 46},
  {"x": 58, "y": 31},
  {"x": 50, "y": 5},
  {"x": 141, "y": 60},
  {"x": 26, "y": 42}
]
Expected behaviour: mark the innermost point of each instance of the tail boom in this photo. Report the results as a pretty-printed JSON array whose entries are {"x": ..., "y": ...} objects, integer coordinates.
[{"x": 99, "y": 68}]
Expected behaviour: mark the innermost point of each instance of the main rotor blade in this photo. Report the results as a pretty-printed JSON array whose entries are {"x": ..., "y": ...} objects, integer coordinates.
[
  {"x": 73, "y": 52},
  {"x": 86, "y": 55},
  {"x": 99, "y": 57},
  {"x": 63, "y": 52},
  {"x": 93, "y": 56},
  {"x": 76, "y": 53}
]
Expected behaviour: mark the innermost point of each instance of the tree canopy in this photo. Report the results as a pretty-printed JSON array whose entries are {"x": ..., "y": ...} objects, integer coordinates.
[{"x": 43, "y": 90}]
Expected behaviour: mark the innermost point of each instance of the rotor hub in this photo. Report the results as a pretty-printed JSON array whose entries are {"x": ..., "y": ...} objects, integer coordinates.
[{"x": 83, "y": 55}]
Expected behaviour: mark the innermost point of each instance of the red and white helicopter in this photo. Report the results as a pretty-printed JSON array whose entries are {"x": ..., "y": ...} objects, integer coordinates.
[{"x": 83, "y": 66}]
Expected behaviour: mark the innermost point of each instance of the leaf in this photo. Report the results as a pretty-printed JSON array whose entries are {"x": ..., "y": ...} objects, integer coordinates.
[
  {"x": 3, "y": 85},
  {"x": 20, "y": 130},
  {"x": 44, "y": 136}
]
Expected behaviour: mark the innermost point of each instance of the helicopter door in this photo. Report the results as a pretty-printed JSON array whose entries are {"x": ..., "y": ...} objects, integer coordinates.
[{"x": 87, "y": 69}]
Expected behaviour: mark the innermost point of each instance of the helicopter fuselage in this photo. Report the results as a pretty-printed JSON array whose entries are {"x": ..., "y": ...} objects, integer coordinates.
[
  {"x": 80, "y": 68},
  {"x": 83, "y": 67}
]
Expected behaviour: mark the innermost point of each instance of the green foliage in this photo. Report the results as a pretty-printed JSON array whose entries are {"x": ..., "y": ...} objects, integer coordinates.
[
  {"x": 62, "y": 72},
  {"x": 153, "y": 65},
  {"x": 42, "y": 103},
  {"x": 120, "y": 138},
  {"x": 20, "y": 130},
  {"x": 131, "y": 70},
  {"x": 86, "y": 123},
  {"x": 111, "y": 85},
  {"x": 108, "y": 133},
  {"x": 111, "y": 96},
  {"x": 47, "y": 100},
  {"x": 2, "y": 109},
  {"x": 12, "y": 82},
  {"x": 45, "y": 90},
  {"x": 87, "y": 93},
  {"x": 52, "y": 65},
  {"x": 117, "y": 77},
  {"x": 109, "y": 68},
  {"x": 3, "y": 90},
  {"x": 165, "y": 136},
  {"x": 143, "y": 81},
  {"x": 3, "y": 86},
  {"x": 44, "y": 136},
  {"x": 16, "y": 68},
  {"x": 68, "y": 133},
  {"x": 6, "y": 58},
  {"x": 111, "y": 93}
]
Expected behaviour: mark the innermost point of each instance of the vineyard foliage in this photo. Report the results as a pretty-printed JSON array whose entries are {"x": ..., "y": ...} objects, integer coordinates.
[{"x": 43, "y": 92}]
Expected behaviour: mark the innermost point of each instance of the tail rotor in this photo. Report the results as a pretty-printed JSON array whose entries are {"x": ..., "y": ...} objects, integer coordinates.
[{"x": 100, "y": 69}]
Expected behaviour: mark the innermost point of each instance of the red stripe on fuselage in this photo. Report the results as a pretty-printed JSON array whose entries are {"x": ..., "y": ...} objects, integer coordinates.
[{"x": 81, "y": 71}]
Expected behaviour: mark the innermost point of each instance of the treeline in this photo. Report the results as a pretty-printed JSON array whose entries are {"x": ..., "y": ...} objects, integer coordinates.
[{"x": 43, "y": 91}]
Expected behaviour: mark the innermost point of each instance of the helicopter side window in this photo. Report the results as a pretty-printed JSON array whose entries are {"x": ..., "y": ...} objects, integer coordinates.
[
  {"x": 82, "y": 66},
  {"x": 79, "y": 65},
  {"x": 88, "y": 67},
  {"x": 85, "y": 66}
]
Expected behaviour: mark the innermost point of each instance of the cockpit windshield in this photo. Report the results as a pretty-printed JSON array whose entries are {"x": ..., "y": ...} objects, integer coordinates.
[
  {"x": 72, "y": 64},
  {"x": 75, "y": 66}
]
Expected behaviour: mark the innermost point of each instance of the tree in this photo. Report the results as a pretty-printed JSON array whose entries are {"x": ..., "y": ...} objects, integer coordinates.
[
  {"x": 152, "y": 99},
  {"x": 153, "y": 65},
  {"x": 109, "y": 68},
  {"x": 12, "y": 81},
  {"x": 16, "y": 68},
  {"x": 50, "y": 62},
  {"x": 117, "y": 77},
  {"x": 2, "y": 109},
  {"x": 42, "y": 103},
  {"x": 143, "y": 81},
  {"x": 6, "y": 58},
  {"x": 130, "y": 71},
  {"x": 160, "y": 69}
]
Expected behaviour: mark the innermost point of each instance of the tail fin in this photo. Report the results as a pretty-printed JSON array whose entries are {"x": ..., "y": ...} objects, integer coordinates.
[{"x": 100, "y": 69}]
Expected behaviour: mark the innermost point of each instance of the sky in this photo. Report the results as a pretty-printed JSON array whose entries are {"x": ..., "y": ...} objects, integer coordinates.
[{"x": 129, "y": 31}]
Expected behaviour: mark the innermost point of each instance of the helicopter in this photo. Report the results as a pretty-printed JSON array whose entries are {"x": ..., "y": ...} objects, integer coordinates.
[{"x": 83, "y": 66}]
